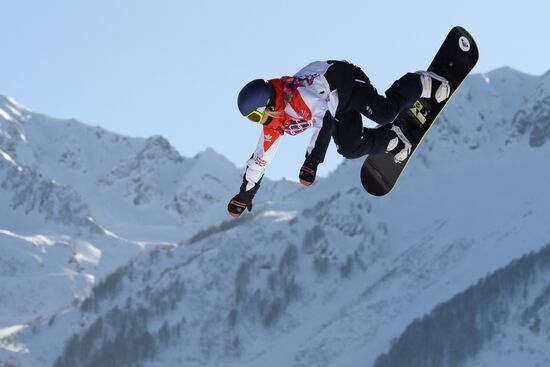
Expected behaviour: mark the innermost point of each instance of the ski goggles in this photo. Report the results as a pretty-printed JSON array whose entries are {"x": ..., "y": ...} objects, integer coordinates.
[{"x": 257, "y": 115}]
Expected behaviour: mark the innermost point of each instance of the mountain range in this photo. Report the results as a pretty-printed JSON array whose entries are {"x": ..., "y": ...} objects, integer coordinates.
[{"x": 119, "y": 251}]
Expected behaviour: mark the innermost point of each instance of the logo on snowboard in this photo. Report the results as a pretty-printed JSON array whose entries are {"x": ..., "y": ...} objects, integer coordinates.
[
  {"x": 464, "y": 44},
  {"x": 419, "y": 112}
]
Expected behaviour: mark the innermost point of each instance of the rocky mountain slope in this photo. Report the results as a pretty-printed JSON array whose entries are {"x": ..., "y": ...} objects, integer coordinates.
[{"x": 450, "y": 268}]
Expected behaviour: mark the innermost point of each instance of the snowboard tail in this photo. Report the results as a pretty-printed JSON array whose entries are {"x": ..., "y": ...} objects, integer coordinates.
[{"x": 454, "y": 60}]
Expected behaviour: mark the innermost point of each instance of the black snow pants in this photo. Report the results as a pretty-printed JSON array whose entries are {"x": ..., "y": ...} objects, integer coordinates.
[{"x": 358, "y": 97}]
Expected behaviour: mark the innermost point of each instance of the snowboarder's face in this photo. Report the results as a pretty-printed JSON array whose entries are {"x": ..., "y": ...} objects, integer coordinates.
[
  {"x": 262, "y": 116},
  {"x": 267, "y": 116},
  {"x": 270, "y": 114}
]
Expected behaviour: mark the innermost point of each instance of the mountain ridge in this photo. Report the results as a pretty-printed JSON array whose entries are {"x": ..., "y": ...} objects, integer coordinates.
[{"x": 327, "y": 274}]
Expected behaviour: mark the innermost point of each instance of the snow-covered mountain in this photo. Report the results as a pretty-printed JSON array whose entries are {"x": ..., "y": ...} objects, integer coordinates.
[
  {"x": 451, "y": 269},
  {"x": 78, "y": 202},
  {"x": 140, "y": 187}
]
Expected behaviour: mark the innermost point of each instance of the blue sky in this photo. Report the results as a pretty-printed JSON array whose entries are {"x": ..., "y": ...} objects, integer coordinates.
[{"x": 174, "y": 68}]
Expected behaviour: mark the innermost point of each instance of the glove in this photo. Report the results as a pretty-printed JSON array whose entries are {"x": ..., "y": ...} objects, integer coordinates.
[
  {"x": 238, "y": 204},
  {"x": 307, "y": 173},
  {"x": 243, "y": 200}
]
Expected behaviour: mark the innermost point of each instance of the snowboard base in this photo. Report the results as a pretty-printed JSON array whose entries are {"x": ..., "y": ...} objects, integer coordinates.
[{"x": 455, "y": 59}]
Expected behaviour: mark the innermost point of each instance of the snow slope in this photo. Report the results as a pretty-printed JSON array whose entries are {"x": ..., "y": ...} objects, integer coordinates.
[
  {"x": 79, "y": 201},
  {"x": 141, "y": 188},
  {"x": 328, "y": 276}
]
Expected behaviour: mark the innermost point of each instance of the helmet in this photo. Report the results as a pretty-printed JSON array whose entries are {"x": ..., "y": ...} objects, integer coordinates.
[{"x": 257, "y": 93}]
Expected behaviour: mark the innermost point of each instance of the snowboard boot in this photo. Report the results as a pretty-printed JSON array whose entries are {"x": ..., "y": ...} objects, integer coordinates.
[
  {"x": 434, "y": 86},
  {"x": 400, "y": 145}
]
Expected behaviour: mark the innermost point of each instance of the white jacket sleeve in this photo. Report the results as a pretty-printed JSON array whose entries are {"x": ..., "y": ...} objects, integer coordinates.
[{"x": 266, "y": 149}]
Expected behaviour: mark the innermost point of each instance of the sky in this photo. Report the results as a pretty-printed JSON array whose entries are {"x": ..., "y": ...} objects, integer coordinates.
[{"x": 175, "y": 68}]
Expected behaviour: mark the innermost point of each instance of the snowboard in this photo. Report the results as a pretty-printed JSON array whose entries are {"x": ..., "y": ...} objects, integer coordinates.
[{"x": 455, "y": 59}]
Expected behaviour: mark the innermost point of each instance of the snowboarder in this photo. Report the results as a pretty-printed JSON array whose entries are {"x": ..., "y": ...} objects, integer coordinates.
[{"x": 329, "y": 97}]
